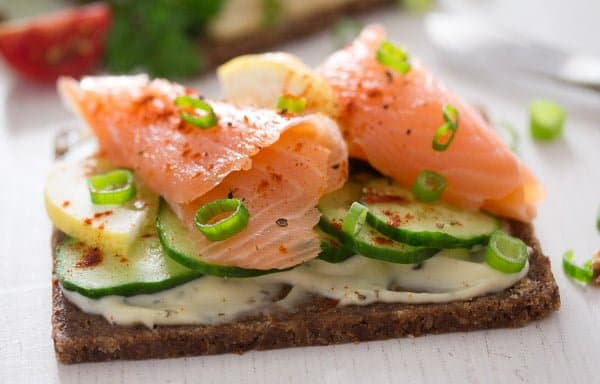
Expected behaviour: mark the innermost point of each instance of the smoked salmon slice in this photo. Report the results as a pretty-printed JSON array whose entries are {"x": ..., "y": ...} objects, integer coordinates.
[
  {"x": 390, "y": 118},
  {"x": 279, "y": 166},
  {"x": 281, "y": 191}
]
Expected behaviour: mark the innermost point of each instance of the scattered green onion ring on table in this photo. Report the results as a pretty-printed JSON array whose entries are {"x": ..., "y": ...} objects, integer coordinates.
[
  {"x": 546, "y": 120},
  {"x": 354, "y": 219},
  {"x": 448, "y": 129},
  {"x": 505, "y": 253},
  {"x": 582, "y": 274},
  {"x": 429, "y": 186},
  {"x": 226, "y": 227},
  {"x": 112, "y": 188},
  {"x": 205, "y": 119},
  {"x": 392, "y": 56},
  {"x": 291, "y": 104}
]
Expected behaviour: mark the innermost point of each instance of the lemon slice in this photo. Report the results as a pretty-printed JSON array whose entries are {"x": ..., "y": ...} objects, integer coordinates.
[{"x": 260, "y": 80}]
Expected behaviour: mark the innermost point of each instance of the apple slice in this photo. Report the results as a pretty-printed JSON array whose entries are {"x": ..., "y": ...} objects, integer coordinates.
[{"x": 112, "y": 228}]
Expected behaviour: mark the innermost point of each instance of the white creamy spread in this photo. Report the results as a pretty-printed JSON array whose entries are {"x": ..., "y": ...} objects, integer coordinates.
[{"x": 357, "y": 281}]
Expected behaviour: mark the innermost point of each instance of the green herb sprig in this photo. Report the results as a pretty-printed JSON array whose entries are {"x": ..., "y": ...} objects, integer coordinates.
[{"x": 158, "y": 36}]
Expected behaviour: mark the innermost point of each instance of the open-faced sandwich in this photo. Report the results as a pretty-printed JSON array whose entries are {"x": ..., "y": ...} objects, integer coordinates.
[{"x": 356, "y": 202}]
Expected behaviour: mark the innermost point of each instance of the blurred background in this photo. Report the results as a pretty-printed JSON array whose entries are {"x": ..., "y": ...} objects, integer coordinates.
[{"x": 182, "y": 38}]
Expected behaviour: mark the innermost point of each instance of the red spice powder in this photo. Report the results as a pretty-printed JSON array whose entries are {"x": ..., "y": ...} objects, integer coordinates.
[
  {"x": 332, "y": 302},
  {"x": 372, "y": 198},
  {"x": 374, "y": 93},
  {"x": 262, "y": 186},
  {"x": 91, "y": 257},
  {"x": 276, "y": 177},
  {"x": 383, "y": 240},
  {"x": 98, "y": 215}
]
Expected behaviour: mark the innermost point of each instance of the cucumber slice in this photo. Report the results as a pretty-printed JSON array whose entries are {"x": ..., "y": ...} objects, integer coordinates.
[
  {"x": 332, "y": 249},
  {"x": 373, "y": 244},
  {"x": 394, "y": 212},
  {"x": 368, "y": 242},
  {"x": 179, "y": 245},
  {"x": 93, "y": 273},
  {"x": 334, "y": 206}
]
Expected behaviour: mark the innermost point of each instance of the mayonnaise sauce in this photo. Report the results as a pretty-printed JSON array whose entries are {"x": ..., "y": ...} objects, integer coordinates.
[{"x": 359, "y": 280}]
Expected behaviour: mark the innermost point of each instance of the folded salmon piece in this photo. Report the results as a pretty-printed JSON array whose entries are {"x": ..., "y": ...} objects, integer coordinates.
[
  {"x": 279, "y": 166},
  {"x": 390, "y": 118}
]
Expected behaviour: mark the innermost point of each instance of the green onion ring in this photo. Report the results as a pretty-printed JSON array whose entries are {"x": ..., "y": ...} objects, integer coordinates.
[
  {"x": 393, "y": 57},
  {"x": 582, "y": 274},
  {"x": 505, "y": 253},
  {"x": 207, "y": 118},
  {"x": 114, "y": 187},
  {"x": 354, "y": 219},
  {"x": 450, "y": 126},
  {"x": 429, "y": 186},
  {"x": 546, "y": 120},
  {"x": 291, "y": 104},
  {"x": 226, "y": 227}
]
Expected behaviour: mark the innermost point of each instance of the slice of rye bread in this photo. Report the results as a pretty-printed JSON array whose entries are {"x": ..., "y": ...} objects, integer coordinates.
[
  {"x": 80, "y": 337},
  {"x": 217, "y": 51}
]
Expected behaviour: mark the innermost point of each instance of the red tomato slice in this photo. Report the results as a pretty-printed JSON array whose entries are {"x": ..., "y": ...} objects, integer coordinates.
[{"x": 68, "y": 42}]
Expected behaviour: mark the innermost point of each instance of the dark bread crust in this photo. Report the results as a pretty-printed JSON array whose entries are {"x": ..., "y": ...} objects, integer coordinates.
[{"x": 80, "y": 337}]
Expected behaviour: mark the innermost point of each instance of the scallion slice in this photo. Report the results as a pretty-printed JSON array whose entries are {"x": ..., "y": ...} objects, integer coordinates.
[
  {"x": 505, "y": 253},
  {"x": 114, "y": 187},
  {"x": 291, "y": 104},
  {"x": 393, "y": 57},
  {"x": 546, "y": 120},
  {"x": 429, "y": 186},
  {"x": 203, "y": 115},
  {"x": 226, "y": 227},
  {"x": 446, "y": 130},
  {"x": 582, "y": 274},
  {"x": 354, "y": 219}
]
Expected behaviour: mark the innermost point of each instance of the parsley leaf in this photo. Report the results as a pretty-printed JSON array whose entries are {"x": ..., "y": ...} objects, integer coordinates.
[{"x": 158, "y": 36}]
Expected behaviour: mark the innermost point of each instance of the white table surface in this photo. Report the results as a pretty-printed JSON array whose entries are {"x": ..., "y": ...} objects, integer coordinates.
[{"x": 562, "y": 348}]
